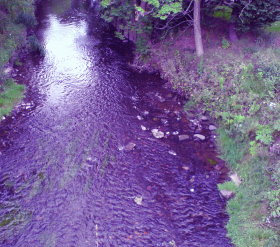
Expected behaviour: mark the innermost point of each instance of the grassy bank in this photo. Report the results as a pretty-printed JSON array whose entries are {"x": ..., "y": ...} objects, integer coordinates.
[
  {"x": 239, "y": 88},
  {"x": 16, "y": 17}
]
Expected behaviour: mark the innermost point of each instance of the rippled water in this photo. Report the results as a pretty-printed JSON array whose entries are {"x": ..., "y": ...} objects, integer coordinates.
[{"x": 79, "y": 164}]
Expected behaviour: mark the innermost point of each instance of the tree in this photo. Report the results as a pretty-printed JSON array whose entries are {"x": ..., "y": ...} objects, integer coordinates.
[
  {"x": 247, "y": 15},
  {"x": 197, "y": 28},
  {"x": 161, "y": 13}
]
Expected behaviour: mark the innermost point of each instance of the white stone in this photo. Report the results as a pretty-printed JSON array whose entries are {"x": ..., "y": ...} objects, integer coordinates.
[
  {"x": 227, "y": 193},
  {"x": 212, "y": 127},
  {"x": 143, "y": 127},
  {"x": 138, "y": 200},
  {"x": 183, "y": 137},
  {"x": 200, "y": 137},
  {"x": 172, "y": 152},
  {"x": 235, "y": 179},
  {"x": 192, "y": 190},
  {"x": 139, "y": 117},
  {"x": 157, "y": 133},
  {"x": 130, "y": 146}
]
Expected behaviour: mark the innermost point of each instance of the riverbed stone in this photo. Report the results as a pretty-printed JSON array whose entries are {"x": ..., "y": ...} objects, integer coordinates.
[
  {"x": 172, "y": 152},
  {"x": 138, "y": 200},
  {"x": 157, "y": 133},
  {"x": 8, "y": 70},
  {"x": 183, "y": 137},
  {"x": 143, "y": 127},
  {"x": 212, "y": 127},
  {"x": 200, "y": 137},
  {"x": 130, "y": 146}
]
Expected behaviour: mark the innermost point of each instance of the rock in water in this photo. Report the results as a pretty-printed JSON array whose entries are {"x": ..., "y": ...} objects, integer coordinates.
[
  {"x": 200, "y": 137},
  {"x": 183, "y": 137},
  {"x": 212, "y": 127},
  {"x": 138, "y": 200},
  {"x": 157, "y": 133},
  {"x": 130, "y": 146}
]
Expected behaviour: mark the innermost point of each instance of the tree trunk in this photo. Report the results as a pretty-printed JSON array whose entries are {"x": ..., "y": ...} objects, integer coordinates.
[{"x": 197, "y": 28}]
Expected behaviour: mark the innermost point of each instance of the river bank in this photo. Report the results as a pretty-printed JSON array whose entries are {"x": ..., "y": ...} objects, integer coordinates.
[
  {"x": 16, "y": 40},
  {"x": 237, "y": 86}
]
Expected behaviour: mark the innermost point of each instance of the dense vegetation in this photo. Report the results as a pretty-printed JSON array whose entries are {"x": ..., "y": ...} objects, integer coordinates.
[
  {"x": 16, "y": 18},
  {"x": 235, "y": 81}
]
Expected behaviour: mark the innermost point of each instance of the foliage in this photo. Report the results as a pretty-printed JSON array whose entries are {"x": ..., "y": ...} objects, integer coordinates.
[{"x": 246, "y": 14}]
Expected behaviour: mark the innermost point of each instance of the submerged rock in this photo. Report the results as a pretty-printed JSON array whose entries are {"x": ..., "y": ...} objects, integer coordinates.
[
  {"x": 157, "y": 133},
  {"x": 143, "y": 127},
  {"x": 130, "y": 146},
  {"x": 138, "y": 200},
  {"x": 200, "y": 137},
  {"x": 172, "y": 152},
  {"x": 183, "y": 137},
  {"x": 212, "y": 127}
]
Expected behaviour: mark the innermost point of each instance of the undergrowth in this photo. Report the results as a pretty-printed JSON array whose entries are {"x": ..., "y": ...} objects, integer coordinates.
[{"x": 239, "y": 87}]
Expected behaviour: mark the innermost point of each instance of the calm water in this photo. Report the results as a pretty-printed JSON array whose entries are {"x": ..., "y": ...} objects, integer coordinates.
[{"x": 79, "y": 164}]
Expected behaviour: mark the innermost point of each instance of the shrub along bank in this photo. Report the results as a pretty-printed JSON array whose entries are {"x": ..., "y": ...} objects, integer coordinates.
[
  {"x": 239, "y": 87},
  {"x": 16, "y": 18}
]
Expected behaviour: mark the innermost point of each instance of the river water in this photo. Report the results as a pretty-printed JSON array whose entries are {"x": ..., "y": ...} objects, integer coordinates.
[{"x": 79, "y": 164}]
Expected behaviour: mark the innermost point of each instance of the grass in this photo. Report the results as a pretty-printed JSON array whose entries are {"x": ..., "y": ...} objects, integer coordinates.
[
  {"x": 10, "y": 94},
  {"x": 239, "y": 88},
  {"x": 275, "y": 27}
]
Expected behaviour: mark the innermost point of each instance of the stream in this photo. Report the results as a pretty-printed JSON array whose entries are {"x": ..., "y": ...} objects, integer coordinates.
[{"x": 80, "y": 161}]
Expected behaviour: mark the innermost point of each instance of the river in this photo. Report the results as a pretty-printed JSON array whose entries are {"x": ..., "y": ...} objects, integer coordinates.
[{"x": 79, "y": 164}]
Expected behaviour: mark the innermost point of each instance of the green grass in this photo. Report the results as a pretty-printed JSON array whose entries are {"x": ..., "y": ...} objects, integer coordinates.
[
  {"x": 240, "y": 90},
  {"x": 275, "y": 27},
  {"x": 10, "y": 94}
]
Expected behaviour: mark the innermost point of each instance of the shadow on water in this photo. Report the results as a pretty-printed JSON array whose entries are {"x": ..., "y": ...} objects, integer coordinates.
[{"x": 79, "y": 163}]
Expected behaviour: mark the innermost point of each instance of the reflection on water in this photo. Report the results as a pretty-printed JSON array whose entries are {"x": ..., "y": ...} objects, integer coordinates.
[{"x": 79, "y": 164}]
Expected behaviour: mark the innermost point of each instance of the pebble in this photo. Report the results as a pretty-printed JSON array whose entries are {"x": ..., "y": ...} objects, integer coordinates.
[
  {"x": 146, "y": 113},
  {"x": 172, "y": 152},
  {"x": 175, "y": 133},
  {"x": 191, "y": 190},
  {"x": 200, "y": 137},
  {"x": 138, "y": 200},
  {"x": 139, "y": 117},
  {"x": 143, "y": 127},
  {"x": 157, "y": 133},
  {"x": 212, "y": 127},
  {"x": 204, "y": 118},
  {"x": 183, "y": 137},
  {"x": 130, "y": 146}
]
